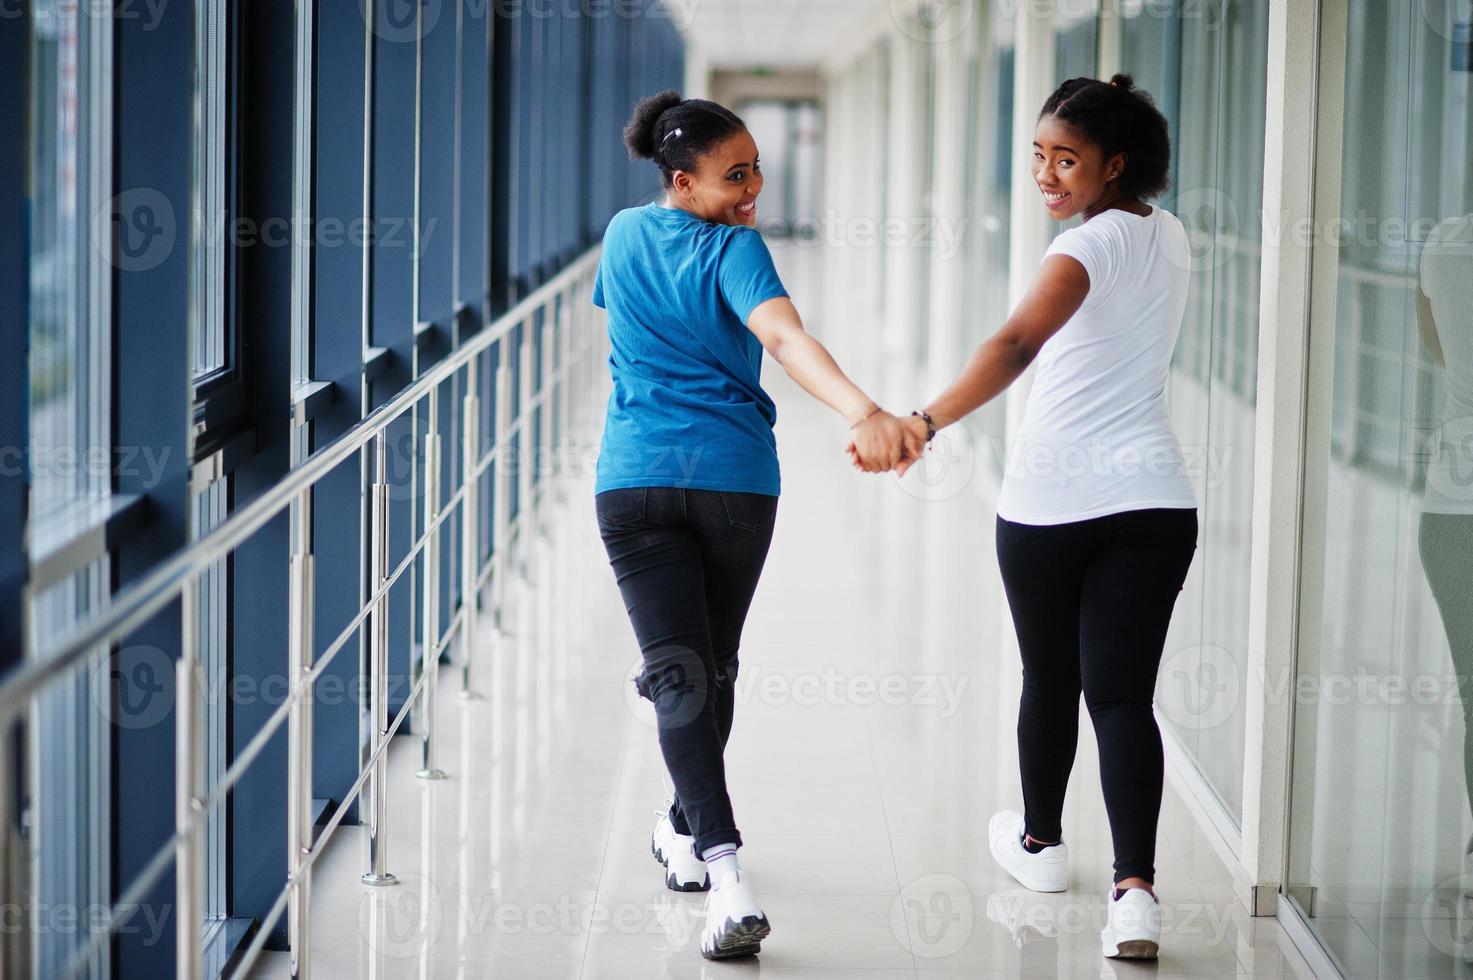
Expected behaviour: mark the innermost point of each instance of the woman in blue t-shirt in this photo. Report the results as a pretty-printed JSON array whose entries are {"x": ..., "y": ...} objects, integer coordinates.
[{"x": 687, "y": 480}]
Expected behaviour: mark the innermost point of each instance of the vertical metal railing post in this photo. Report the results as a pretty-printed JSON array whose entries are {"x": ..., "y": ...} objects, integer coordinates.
[
  {"x": 546, "y": 449},
  {"x": 501, "y": 487},
  {"x": 189, "y": 871},
  {"x": 301, "y": 581},
  {"x": 470, "y": 529},
  {"x": 299, "y": 736},
  {"x": 590, "y": 347},
  {"x": 430, "y": 640},
  {"x": 581, "y": 322},
  {"x": 526, "y": 390},
  {"x": 376, "y": 788},
  {"x": 566, "y": 378}
]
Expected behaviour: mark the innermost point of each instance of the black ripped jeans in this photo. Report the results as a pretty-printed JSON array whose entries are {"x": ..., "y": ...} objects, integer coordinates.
[
  {"x": 1091, "y": 602},
  {"x": 687, "y": 563}
]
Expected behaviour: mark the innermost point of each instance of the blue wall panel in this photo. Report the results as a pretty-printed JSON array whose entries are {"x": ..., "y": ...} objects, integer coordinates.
[
  {"x": 151, "y": 387},
  {"x": 14, "y": 319},
  {"x": 258, "y": 579},
  {"x": 437, "y": 173},
  {"x": 337, "y": 355},
  {"x": 393, "y": 310},
  {"x": 542, "y": 102}
]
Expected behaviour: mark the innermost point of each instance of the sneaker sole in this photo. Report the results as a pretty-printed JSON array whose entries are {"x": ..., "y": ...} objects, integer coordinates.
[
  {"x": 687, "y": 886},
  {"x": 673, "y": 883},
  {"x": 742, "y": 938},
  {"x": 1134, "y": 949},
  {"x": 1032, "y": 884}
]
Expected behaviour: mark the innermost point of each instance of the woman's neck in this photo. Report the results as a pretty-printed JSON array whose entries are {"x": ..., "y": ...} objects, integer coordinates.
[{"x": 1118, "y": 201}]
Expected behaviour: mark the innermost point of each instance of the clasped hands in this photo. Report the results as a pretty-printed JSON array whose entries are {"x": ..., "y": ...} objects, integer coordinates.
[{"x": 885, "y": 442}]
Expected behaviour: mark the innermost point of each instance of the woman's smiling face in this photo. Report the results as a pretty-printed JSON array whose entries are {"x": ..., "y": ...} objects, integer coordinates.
[
  {"x": 725, "y": 186},
  {"x": 1072, "y": 173}
]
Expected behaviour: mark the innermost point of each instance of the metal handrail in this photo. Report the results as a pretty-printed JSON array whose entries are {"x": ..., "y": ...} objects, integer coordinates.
[
  {"x": 136, "y": 603},
  {"x": 177, "y": 576}
]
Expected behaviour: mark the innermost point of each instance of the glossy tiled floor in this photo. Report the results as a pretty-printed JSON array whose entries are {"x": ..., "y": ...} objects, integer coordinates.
[{"x": 873, "y": 740}]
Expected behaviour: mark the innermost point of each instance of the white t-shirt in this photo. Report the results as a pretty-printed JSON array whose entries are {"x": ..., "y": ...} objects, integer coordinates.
[
  {"x": 1096, "y": 438},
  {"x": 1447, "y": 279}
]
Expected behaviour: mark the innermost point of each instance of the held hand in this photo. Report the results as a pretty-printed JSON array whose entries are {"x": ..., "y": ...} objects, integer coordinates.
[
  {"x": 877, "y": 443},
  {"x": 914, "y": 443},
  {"x": 913, "y": 446}
]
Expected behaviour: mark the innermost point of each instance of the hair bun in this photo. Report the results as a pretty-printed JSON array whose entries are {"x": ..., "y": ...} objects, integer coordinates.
[
  {"x": 639, "y": 133},
  {"x": 1124, "y": 81}
]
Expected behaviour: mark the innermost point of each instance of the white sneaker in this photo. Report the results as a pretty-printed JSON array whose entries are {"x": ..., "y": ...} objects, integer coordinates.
[
  {"x": 684, "y": 872},
  {"x": 1042, "y": 872},
  {"x": 1133, "y": 927},
  {"x": 735, "y": 925}
]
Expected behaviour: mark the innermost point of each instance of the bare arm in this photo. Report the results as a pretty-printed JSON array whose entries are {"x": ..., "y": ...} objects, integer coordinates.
[
  {"x": 877, "y": 433},
  {"x": 1427, "y": 328},
  {"x": 1056, "y": 295},
  {"x": 778, "y": 325}
]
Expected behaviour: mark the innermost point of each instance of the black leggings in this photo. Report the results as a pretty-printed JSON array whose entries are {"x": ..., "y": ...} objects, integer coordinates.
[
  {"x": 1446, "y": 541},
  {"x": 1091, "y": 602},
  {"x": 687, "y": 562}
]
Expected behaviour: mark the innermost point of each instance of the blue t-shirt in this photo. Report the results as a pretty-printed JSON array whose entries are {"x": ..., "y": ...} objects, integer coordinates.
[{"x": 687, "y": 409}]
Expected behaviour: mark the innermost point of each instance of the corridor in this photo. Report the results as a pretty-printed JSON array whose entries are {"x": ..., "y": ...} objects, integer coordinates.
[
  {"x": 874, "y": 737},
  {"x": 312, "y": 664}
]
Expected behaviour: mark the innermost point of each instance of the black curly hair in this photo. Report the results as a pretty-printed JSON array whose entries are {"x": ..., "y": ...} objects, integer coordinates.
[
  {"x": 676, "y": 132},
  {"x": 1118, "y": 118}
]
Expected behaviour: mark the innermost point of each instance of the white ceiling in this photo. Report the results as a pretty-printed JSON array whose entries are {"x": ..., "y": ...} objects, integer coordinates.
[{"x": 777, "y": 33}]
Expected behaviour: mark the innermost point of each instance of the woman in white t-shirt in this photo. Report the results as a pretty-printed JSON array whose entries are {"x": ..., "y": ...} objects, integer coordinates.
[
  {"x": 1097, "y": 520},
  {"x": 1445, "y": 537}
]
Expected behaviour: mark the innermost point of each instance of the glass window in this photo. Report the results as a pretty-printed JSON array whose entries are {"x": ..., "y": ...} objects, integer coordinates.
[
  {"x": 71, "y": 245},
  {"x": 1216, "y": 114},
  {"x": 70, "y": 789},
  {"x": 1076, "y": 54},
  {"x": 213, "y": 273},
  {"x": 210, "y": 508},
  {"x": 1380, "y": 829},
  {"x": 987, "y": 208},
  {"x": 213, "y": 214},
  {"x": 70, "y": 255}
]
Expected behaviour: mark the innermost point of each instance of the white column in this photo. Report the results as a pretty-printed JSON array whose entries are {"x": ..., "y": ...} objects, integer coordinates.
[
  {"x": 906, "y": 150},
  {"x": 1029, "y": 236},
  {"x": 1107, "y": 53},
  {"x": 1279, "y": 450},
  {"x": 697, "y": 71},
  {"x": 950, "y": 170}
]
